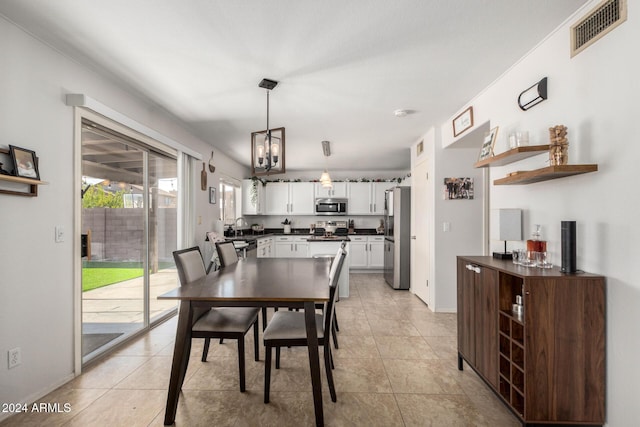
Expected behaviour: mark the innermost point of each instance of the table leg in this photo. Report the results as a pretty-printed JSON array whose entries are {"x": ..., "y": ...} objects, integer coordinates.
[
  {"x": 314, "y": 359},
  {"x": 181, "y": 351}
]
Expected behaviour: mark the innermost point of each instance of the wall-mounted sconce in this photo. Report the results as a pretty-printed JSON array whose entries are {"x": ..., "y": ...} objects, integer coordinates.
[{"x": 533, "y": 95}]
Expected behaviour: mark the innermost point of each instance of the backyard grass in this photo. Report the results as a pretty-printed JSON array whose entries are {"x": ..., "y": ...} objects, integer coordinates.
[
  {"x": 93, "y": 278},
  {"x": 96, "y": 274}
]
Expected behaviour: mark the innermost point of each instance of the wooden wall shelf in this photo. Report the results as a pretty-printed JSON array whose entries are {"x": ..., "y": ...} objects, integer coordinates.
[
  {"x": 545, "y": 174},
  {"x": 33, "y": 185},
  {"x": 513, "y": 155}
]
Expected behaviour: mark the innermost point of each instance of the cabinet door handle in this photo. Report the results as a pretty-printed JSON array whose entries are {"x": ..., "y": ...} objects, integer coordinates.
[
  {"x": 473, "y": 268},
  {"x": 375, "y": 207}
]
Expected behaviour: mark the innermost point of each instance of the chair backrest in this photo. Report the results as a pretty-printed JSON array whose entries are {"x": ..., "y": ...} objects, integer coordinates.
[
  {"x": 333, "y": 291},
  {"x": 226, "y": 253},
  {"x": 189, "y": 264},
  {"x": 334, "y": 264}
]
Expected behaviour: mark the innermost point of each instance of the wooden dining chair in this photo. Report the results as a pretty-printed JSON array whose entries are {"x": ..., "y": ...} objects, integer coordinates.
[
  {"x": 287, "y": 328},
  {"x": 217, "y": 322},
  {"x": 228, "y": 255}
]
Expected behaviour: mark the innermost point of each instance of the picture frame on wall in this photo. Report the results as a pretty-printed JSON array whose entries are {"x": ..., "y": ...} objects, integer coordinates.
[
  {"x": 463, "y": 122},
  {"x": 25, "y": 162},
  {"x": 488, "y": 143},
  {"x": 212, "y": 195}
]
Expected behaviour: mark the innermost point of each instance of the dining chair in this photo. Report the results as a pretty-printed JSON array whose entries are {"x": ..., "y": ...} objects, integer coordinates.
[
  {"x": 228, "y": 255},
  {"x": 287, "y": 328},
  {"x": 217, "y": 322}
]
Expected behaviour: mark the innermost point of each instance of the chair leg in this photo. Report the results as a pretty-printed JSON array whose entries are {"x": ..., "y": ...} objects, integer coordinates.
[
  {"x": 221, "y": 340},
  {"x": 331, "y": 358},
  {"x": 256, "y": 351},
  {"x": 267, "y": 373},
  {"x": 264, "y": 318},
  {"x": 334, "y": 333},
  {"x": 241, "y": 363},
  {"x": 205, "y": 351},
  {"x": 335, "y": 319},
  {"x": 328, "y": 366},
  {"x": 277, "y": 357}
]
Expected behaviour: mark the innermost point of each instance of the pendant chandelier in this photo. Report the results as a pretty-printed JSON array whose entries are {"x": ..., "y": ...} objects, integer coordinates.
[
  {"x": 325, "y": 178},
  {"x": 267, "y": 146}
]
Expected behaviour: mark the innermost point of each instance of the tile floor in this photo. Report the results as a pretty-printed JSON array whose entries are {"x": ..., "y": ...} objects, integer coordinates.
[{"x": 396, "y": 366}]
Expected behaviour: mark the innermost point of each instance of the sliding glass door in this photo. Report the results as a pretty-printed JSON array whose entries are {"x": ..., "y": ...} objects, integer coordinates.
[{"x": 129, "y": 226}]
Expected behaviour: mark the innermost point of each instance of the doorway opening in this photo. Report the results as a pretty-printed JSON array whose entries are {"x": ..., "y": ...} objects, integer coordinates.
[{"x": 129, "y": 230}]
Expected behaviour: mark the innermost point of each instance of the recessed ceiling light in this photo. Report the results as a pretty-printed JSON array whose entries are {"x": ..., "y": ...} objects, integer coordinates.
[{"x": 403, "y": 113}]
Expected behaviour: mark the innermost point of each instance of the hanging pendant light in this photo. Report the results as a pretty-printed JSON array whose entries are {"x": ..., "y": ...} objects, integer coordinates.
[
  {"x": 325, "y": 178},
  {"x": 267, "y": 147}
]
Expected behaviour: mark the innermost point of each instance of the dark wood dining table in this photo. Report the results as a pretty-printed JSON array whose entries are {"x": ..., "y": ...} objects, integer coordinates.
[{"x": 255, "y": 282}]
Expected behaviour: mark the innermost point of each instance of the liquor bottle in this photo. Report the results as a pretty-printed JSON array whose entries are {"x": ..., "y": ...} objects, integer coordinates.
[{"x": 535, "y": 244}]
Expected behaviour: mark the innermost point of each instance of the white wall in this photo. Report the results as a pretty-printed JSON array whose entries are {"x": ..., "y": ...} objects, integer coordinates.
[
  {"x": 595, "y": 95},
  {"x": 36, "y": 277}
]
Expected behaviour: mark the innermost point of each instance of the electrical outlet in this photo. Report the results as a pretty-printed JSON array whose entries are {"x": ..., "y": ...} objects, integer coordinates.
[{"x": 15, "y": 357}]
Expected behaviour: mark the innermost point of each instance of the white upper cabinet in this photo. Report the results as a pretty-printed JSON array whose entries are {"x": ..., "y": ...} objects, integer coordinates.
[
  {"x": 253, "y": 197},
  {"x": 289, "y": 198},
  {"x": 339, "y": 190},
  {"x": 377, "y": 196},
  {"x": 367, "y": 198}
]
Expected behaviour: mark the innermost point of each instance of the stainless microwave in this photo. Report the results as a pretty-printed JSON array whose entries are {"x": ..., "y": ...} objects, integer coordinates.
[{"x": 331, "y": 206}]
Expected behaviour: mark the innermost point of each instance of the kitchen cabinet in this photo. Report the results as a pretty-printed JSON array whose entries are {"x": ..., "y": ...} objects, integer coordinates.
[
  {"x": 376, "y": 251},
  {"x": 292, "y": 246},
  {"x": 367, "y": 252},
  {"x": 289, "y": 198},
  {"x": 547, "y": 364},
  {"x": 265, "y": 247},
  {"x": 367, "y": 198},
  {"x": 253, "y": 198},
  {"x": 339, "y": 189}
]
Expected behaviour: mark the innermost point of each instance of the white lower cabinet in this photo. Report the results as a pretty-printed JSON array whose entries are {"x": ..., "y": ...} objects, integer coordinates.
[
  {"x": 367, "y": 252},
  {"x": 292, "y": 246},
  {"x": 265, "y": 247}
]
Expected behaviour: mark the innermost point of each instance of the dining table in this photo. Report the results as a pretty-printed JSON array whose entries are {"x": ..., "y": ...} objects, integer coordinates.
[{"x": 251, "y": 282}]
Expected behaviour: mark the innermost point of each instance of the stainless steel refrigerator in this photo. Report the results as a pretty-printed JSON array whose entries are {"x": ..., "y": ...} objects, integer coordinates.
[{"x": 397, "y": 229}]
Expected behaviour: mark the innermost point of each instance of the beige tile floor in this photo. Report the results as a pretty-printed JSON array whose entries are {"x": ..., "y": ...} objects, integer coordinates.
[{"x": 396, "y": 366}]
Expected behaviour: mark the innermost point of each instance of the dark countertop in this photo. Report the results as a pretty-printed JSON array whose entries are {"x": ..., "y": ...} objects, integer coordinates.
[{"x": 250, "y": 235}]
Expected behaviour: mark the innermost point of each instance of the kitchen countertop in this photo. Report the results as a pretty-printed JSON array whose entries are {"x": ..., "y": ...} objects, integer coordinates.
[{"x": 250, "y": 235}]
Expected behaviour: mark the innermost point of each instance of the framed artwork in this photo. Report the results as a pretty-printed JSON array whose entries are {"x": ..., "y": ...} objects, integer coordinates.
[
  {"x": 463, "y": 122},
  {"x": 458, "y": 189},
  {"x": 488, "y": 143},
  {"x": 25, "y": 163},
  {"x": 212, "y": 195}
]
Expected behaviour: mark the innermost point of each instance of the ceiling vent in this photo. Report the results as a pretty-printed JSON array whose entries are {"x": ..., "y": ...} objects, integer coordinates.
[{"x": 598, "y": 22}]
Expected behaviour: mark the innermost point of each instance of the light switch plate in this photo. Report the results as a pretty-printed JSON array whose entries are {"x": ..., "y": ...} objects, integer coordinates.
[{"x": 59, "y": 230}]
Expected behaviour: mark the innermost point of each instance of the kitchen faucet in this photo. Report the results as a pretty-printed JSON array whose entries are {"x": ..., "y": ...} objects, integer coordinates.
[{"x": 243, "y": 223}]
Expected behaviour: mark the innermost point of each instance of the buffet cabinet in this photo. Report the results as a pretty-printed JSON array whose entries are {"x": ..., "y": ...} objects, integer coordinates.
[{"x": 546, "y": 363}]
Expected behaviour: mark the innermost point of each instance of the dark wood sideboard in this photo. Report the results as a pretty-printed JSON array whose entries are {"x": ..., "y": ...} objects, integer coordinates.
[{"x": 547, "y": 365}]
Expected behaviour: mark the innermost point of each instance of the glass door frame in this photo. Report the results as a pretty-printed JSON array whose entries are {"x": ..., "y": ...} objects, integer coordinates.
[{"x": 156, "y": 146}]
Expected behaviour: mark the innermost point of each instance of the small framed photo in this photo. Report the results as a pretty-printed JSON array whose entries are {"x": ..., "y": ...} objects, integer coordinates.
[
  {"x": 463, "y": 122},
  {"x": 212, "y": 195},
  {"x": 488, "y": 143},
  {"x": 25, "y": 163}
]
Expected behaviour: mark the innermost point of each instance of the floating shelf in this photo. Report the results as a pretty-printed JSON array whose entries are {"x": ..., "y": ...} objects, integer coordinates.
[
  {"x": 545, "y": 174},
  {"x": 33, "y": 183},
  {"x": 513, "y": 155}
]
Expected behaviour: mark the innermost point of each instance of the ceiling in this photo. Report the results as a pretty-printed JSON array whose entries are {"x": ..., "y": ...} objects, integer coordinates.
[{"x": 344, "y": 67}]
